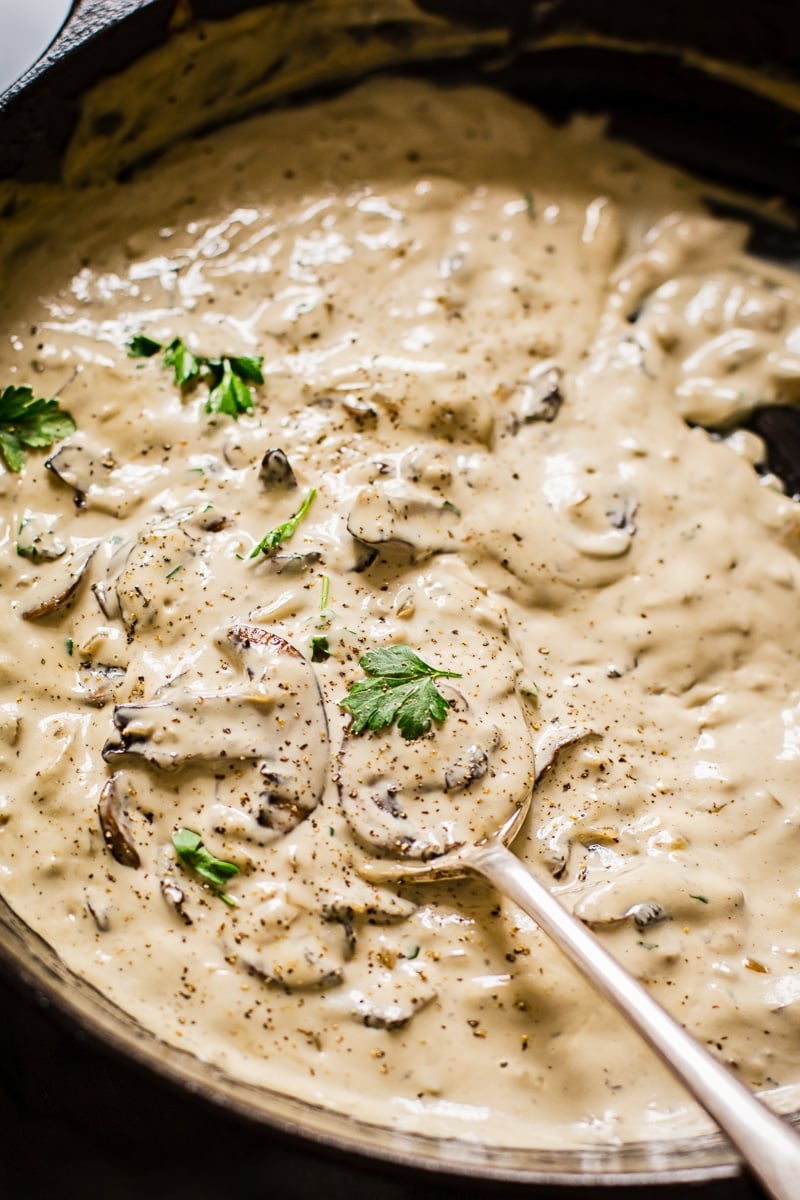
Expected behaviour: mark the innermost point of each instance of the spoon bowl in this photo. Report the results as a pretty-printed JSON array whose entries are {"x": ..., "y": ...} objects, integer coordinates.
[{"x": 769, "y": 1145}]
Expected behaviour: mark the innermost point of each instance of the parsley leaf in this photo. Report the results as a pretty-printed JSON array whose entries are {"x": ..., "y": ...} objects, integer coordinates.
[
  {"x": 25, "y": 421},
  {"x": 401, "y": 689},
  {"x": 185, "y": 365},
  {"x": 193, "y": 854},
  {"x": 142, "y": 346},
  {"x": 228, "y": 378},
  {"x": 320, "y": 648},
  {"x": 273, "y": 540}
]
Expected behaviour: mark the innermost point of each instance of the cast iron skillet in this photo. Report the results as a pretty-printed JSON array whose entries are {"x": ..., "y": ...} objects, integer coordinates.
[{"x": 649, "y": 69}]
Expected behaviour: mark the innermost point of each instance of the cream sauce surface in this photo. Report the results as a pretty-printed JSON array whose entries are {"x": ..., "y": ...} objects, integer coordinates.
[{"x": 491, "y": 347}]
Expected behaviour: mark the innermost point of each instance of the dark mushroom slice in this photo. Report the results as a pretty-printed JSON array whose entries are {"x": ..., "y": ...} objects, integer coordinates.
[
  {"x": 276, "y": 472},
  {"x": 37, "y": 539},
  {"x": 62, "y": 586},
  {"x": 266, "y": 736},
  {"x": 114, "y": 822},
  {"x": 395, "y": 794},
  {"x": 412, "y": 523}
]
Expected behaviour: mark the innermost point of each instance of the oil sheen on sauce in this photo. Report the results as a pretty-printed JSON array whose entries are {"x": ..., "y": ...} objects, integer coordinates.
[{"x": 513, "y": 362}]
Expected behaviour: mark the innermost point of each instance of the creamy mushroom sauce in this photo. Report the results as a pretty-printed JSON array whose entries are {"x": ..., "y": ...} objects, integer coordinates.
[{"x": 491, "y": 347}]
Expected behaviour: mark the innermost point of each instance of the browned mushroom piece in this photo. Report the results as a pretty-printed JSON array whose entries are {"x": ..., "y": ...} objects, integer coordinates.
[
  {"x": 276, "y": 472},
  {"x": 409, "y": 522},
  {"x": 52, "y": 592},
  {"x": 267, "y": 735},
  {"x": 114, "y": 823}
]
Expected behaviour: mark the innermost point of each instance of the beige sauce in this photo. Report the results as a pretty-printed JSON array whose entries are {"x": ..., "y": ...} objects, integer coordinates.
[{"x": 485, "y": 345}]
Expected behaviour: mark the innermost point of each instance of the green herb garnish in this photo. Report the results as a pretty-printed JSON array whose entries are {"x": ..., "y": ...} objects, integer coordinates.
[
  {"x": 702, "y": 899},
  {"x": 320, "y": 647},
  {"x": 25, "y": 421},
  {"x": 228, "y": 377},
  {"x": 276, "y": 537},
  {"x": 193, "y": 854},
  {"x": 401, "y": 689}
]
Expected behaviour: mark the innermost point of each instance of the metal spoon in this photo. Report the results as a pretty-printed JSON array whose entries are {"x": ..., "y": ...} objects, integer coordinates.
[{"x": 769, "y": 1145}]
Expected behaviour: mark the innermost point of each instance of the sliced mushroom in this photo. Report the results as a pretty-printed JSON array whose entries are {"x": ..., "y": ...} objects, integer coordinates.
[
  {"x": 208, "y": 520},
  {"x": 37, "y": 539},
  {"x": 161, "y": 549},
  {"x": 553, "y": 740},
  {"x": 411, "y": 522},
  {"x": 646, "y": 912},
  {"x": 472, "y": 763},
  {"x": 311, "y": 955},
  {"x": 114, "y": 823},
  {"x": 276, "y": 472},
  {"x": 97, "y": 909},
  {"x": 683, "y": 892},
  {"x": 107, "y": 598},
  {"x": 80, "y": 469},
  {"x": 60, "y": 586},
  {"x": 360, "y": 899},
  {"x": 96, "y": 479},
  {"x": 98, "y": 683},
  {"x": 390, "y": 1000},
  {"x": 292, "y": 564},
  {"x": 364, "y": 414},
  {"x": 171, "y": 889},
  {"x": 537, "y": 398},
  {"x": 266, "y": 736}
]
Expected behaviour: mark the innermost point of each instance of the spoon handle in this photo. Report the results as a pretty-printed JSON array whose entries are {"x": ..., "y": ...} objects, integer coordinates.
[{"x": 767, "y": 1143}]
